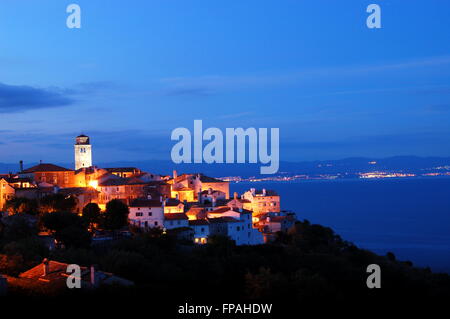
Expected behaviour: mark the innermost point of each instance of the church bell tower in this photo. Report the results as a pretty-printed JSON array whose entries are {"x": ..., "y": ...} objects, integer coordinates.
[{"x": 83, "y": 152}]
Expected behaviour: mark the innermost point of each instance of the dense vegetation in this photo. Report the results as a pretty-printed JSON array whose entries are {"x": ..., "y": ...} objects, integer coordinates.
[{"x": 309, "y": 263}]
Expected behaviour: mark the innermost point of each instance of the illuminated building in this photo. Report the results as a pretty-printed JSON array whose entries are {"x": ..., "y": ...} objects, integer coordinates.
[
  {"x": 201, "y": 230},
  {"x": 51, "y": 174},
  {"x": 83, "y": 152},
  {"x": 147, "y": 213},
  {"x": 262, "y": 201}
]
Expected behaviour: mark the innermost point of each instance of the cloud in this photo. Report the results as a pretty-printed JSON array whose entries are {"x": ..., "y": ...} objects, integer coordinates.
[
  {"x": 21, "y": 98},
  {"x": 194, "y": 91},
  {"x": 399, "y": 140},
  {"x": 438, "y": 108},
  {"x": 87, "y": 88},
  {"x": 235, "y": 115},
  {"x": 213, "y": 84}
]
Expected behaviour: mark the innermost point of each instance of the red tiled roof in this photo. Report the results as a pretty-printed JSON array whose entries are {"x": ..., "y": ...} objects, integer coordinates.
[
  {"x": 221, "y": 210},
  {"x": 198, "y": 222},
  {"x": 172, "y": 202},
  {"x": 277, "y": 219},
  {"x": 123, "y": 169},
  {"x": 57, "y": 275},
  {"x": 269, "y": 192},
  {"x": 146, "y": 203},
  {"x": 119, "y": 181},
  {"x": 77, "y": 190},
  {"x": 175, "y": 216},
  {"x": 46, "y": 168},
  {"x": 225, "y": 219}
]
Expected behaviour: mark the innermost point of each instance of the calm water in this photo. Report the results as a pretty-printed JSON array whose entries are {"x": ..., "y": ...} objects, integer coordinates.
[{"x": 410, "y": 217}]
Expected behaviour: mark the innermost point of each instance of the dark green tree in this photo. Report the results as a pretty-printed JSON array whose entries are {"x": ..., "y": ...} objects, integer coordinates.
[
  {"x": 116, "y": 215},
  {"x": 68, "y": 228},
  {"x": 57, "y": 203},
  {"x": 21, "y": 205},
  {"x": 18, "y": 227},
  {"x": 91, "y": 214}
]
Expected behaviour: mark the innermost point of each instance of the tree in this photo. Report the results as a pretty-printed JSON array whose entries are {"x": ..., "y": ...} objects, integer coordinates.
[
  {"x": 91, "y": 214},
  {"x": 116, "y": 215},
  {"x": 21, "y": 205},
  {"x": 57, "y": 203},
  {"x": 18, "y": 227},
  {"x": 67, "y": 228}
]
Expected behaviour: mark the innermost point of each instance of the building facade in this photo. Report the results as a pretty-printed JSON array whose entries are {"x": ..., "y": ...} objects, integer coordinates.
[
  {"x": 83, "y": 152},
  {"x": 146, "y": 213}
]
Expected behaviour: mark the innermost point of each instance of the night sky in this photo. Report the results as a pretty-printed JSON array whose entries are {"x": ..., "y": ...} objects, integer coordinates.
[{"x": 136, "y": 70}]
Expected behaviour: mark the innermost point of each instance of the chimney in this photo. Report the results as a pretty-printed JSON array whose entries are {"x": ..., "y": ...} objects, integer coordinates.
[
  {"x": 46, "y": 267},
  {"x": 264, "y": 192},
  {"x": 3, "y": 286},
  {"x": 175, "y": 174},
  {"x": 199, "y": 197},
  {"x": 235, "y": 195},
  {"x": 92, "y": 273},
  {"x": 21, "y": 166},
  {"x": 252, "y": 190}
]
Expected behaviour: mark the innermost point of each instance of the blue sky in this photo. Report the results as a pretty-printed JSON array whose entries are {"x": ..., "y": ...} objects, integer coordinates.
[{"x": 138, "y": 69}]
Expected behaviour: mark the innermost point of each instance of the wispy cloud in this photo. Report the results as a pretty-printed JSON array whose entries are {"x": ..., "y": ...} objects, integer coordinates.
[
  {"x": 235, "y": 115},
  {"x": 211, "y": 84},
  {"x": 394, "y": 140},
  {"x": 438, "y": 108},
  {"x": 20, "y": 98},
  {"x": 182, "y": 91}
]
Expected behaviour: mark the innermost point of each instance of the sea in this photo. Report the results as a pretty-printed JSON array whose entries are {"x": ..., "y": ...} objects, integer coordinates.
[{"x": 407, "y": 216}]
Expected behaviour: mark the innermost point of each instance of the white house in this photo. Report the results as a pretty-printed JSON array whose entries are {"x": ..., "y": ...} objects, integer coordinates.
[
  {"x": 175, "y": 220},
  {"x": 211, "y": 196},
  {"x": 262, "y": 201},
  {"x": 274, "y": 224},
  {"x": 173, "y": 205},
  {"x": 236, "y": 224},
  {"x": 146, "y": 213},
  {"x": 201, "y": 230}
]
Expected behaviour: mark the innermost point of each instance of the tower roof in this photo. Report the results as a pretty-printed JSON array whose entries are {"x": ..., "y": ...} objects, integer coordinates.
[{"x": 82, "y": 140}]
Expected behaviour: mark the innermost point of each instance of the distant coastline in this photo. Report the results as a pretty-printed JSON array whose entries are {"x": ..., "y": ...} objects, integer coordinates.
[{"x": 295, "y": 178}]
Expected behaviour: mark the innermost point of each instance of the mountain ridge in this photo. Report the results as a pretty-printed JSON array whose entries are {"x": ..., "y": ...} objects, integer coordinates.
[{"x": 346, "y": 165}]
